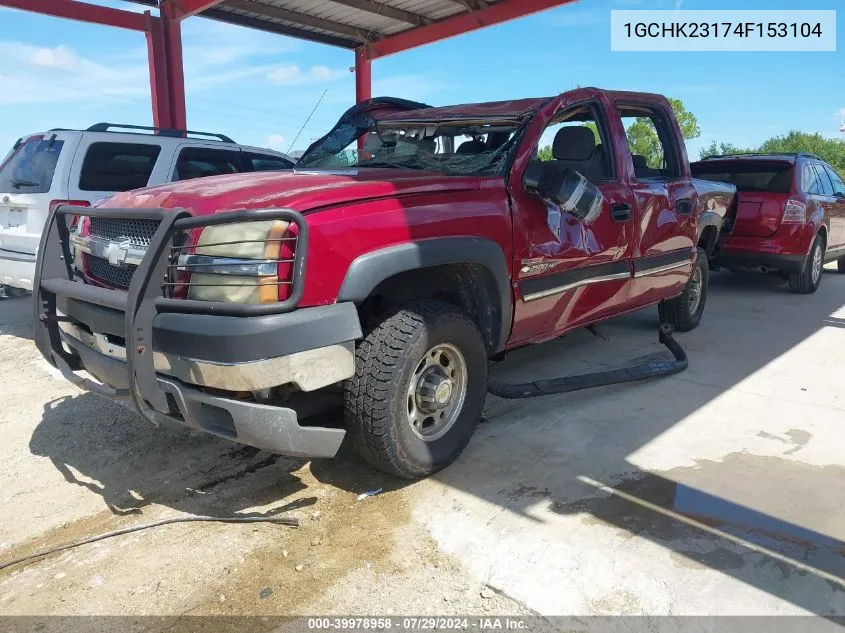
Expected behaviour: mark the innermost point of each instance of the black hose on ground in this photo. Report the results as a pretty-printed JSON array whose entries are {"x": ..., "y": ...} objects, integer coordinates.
[
  {"x": 565, "y": 384},
  {"x": 145, "y": 526}
]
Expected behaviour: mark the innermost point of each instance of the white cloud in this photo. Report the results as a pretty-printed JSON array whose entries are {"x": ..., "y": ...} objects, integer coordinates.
[
  {"x": 276, "y": 141},
  {"x": 59, "y": 57},
  {"x": 36, "y": 74},
  {"x": 293, "y": 74},
  {"x": 31, "y": 74}
]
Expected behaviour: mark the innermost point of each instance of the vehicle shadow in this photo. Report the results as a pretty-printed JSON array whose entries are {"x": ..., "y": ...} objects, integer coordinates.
[{"x": 103, "y": 446}]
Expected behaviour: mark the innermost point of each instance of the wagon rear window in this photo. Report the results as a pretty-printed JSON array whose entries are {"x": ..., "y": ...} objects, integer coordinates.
[
  {"x": 30, "y": 168},
  {"x": 766, "y": 177}
]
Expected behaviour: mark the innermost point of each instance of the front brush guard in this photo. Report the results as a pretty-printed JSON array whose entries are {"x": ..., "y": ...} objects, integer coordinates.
[
  {"x": 56, "y": 277},
  {"x": 565, "y": 384}
]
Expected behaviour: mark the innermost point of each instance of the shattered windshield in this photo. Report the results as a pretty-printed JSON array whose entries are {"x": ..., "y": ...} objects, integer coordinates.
[{"x": 459, "y": 147}]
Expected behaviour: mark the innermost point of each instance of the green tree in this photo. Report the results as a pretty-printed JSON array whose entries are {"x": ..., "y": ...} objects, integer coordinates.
[
  {"x": 830, "y": 150},
  {"x": 721, "y": 149},
  {"x": 643, "y": 139}
]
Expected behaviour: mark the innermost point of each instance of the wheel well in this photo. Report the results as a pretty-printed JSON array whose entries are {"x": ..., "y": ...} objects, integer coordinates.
[
  {"x": 471, "y": 287},
  {"x": 823, "y": 233},
  {"x": 708, "y": 238}
]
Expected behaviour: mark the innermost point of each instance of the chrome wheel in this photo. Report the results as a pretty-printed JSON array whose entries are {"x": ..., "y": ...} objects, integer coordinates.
[
  {"x": 817, "y": 264},
  {"x": 436, "y": 392},
  {"x": 696, "y": 283}
]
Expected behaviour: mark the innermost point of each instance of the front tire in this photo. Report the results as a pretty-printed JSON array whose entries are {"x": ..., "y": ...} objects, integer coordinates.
[
  {"x": 810, "y": 278},
  {"x": 840, "y": 264},
  {"x": 418, "y": 390},
  {"x": 684, "y": 312}
]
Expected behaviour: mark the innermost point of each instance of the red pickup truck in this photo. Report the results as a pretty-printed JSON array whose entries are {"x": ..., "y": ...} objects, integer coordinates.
[{"x": 410, "y": 245}]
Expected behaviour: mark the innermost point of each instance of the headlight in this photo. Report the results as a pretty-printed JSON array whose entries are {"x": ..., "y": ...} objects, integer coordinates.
[
  {"x": 250, "y": 240},
  {"x": 237, "y": 263}
]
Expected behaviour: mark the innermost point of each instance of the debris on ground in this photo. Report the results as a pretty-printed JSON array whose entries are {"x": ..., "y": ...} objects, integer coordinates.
[
  {"x": 315, "y": 541},
  {"x": 370, "y": 493},
  {"x": 299, "y": 567},
  {"x": 265, "y": 592},
  {"x": 315, "y": 515},
  {"x": 487, "y": 593},
  {"x": 595, "y": 332}
]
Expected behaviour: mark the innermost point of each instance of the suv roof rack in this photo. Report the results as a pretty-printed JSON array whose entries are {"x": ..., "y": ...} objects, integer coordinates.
[
  {"x": 162, "y": 131},
  {"x": 753, "y": 154}
]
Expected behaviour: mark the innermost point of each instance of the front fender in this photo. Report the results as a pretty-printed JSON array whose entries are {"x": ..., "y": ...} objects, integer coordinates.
[{"x": 367, "y": 271}]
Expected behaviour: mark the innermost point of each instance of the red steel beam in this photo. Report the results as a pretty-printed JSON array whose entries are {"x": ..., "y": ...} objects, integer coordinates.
[
  {"x": 186, "y": 8},
  {"x": 173, "y": 66},
  {"x": 363, "y": 82},
  {"x": 456, "y": 25},
  {"x": 363, "y": 77},
  {"x": 159, "y": 89},
  {"x": 83, "y": 12}
]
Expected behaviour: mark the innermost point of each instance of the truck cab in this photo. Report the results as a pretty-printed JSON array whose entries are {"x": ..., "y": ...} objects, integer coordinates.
[{"x": 410, "y": 245}]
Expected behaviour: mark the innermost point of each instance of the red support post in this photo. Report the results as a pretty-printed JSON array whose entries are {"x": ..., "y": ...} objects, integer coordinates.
[
  {"x": 363, "y": 76},
  {"x": 502, "y": 11},
  {"x": 175, "y": 73},
  {"x": 363, "y": 82},
  {"x": 157, "y": 58}
]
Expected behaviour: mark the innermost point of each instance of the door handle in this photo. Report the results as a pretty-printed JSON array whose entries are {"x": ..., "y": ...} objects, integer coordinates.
[
  {"x": 684, "y": 206},
  {"x": 621, "y": 212}
]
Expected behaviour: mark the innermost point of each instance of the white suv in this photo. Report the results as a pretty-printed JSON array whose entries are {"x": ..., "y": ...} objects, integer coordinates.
[{"x": 82, "y": 166}]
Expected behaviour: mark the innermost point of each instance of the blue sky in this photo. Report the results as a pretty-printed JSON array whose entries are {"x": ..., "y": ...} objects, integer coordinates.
[{"x": 259, "y": 88}]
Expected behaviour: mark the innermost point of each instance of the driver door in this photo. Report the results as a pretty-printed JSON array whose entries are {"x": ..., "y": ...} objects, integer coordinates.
[{"x": 569, "y": 273}]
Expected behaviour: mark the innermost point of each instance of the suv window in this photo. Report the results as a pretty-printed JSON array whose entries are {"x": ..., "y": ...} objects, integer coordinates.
[
  {"x": 651, "y": 141},
  {"x": 117, "y": 166},
  {"x": 575, "y": 137},
  {"x": 838, "y": 185},
  {"x": 199, "y": 162},
  {"x": 810, "y": 180},
  {"x": 824, "y": 180},
  {"x": 30, "y": 168},
  {"x": 267, "y": 162}
]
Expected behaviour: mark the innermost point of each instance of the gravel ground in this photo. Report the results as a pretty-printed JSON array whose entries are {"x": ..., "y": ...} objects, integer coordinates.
[{"x": 75, "y": 464}]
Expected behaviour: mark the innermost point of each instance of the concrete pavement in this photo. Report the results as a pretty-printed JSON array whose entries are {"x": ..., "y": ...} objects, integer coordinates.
[{"x": 717, "y": 491}]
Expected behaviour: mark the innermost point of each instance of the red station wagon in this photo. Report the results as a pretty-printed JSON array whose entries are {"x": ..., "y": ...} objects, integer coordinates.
[{"x": 791, "y": 215}]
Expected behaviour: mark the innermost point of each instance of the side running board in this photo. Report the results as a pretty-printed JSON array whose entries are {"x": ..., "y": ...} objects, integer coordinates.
[{"x": 565, "y": 384}]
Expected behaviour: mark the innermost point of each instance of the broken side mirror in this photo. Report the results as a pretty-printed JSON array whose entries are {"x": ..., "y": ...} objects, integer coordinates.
[{"x": 565, "y": 187}]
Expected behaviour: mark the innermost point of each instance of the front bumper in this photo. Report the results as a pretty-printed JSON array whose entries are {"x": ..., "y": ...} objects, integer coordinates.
[
  {"x": 186, "y": 361},
  {"x": 16, "y": 269}
]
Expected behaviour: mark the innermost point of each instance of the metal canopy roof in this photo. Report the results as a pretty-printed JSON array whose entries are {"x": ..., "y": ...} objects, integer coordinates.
[{"x": 354, "y": 24}]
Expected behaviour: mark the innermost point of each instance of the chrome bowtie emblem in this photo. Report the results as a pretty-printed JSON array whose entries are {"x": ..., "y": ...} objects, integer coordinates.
[{"x": 116, "y": 252}]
